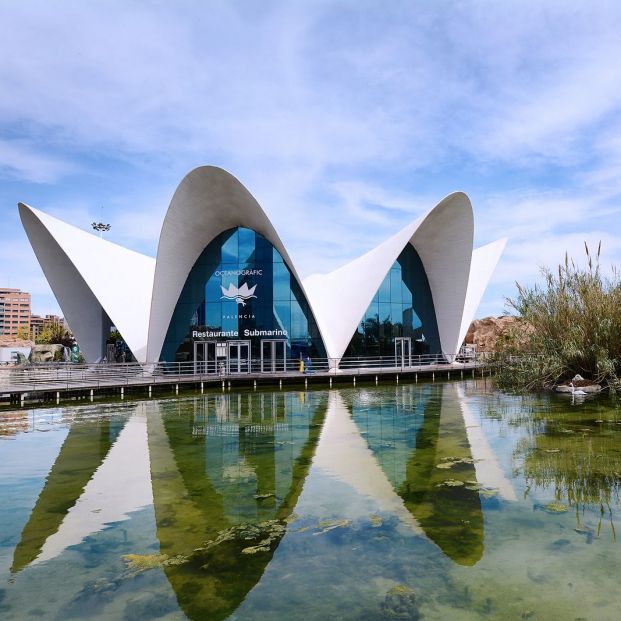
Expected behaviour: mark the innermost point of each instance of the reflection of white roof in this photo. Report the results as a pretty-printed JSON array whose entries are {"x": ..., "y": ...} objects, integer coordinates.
[
  {"x": 105, "y": 500},
  {"x": 342, "y": 453},
  {"x": 92, "y": 278}
]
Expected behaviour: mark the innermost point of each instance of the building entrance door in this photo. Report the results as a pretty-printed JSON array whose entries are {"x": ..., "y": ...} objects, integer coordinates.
[
  {"x": 239, "y": 356},
  {"x": 273, "y": 356},
  {"x": 403, "y": 352},
  {"x": 209, "y": 356}
]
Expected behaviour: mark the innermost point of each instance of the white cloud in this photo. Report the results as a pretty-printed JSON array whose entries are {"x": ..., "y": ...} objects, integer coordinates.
[
  {"x": 346, "y": 122},
  {"x": 522, "y": 260},
  {"x": 20, "y": 159}
]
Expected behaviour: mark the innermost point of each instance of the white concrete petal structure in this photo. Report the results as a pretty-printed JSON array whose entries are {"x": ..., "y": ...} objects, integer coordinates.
[
  {"x": 93, "y": 278},
  {"x": 443, "y": 240},
  {"x": 207, "y": 202},
  {"x": 482, "y": 266}
]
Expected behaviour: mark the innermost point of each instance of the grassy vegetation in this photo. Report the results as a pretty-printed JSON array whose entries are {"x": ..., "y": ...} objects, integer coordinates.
[{"x": 570, "y": 324}]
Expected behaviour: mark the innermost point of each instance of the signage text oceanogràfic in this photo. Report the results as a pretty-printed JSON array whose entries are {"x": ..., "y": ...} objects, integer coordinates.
[{"x": 239, "y": 273}]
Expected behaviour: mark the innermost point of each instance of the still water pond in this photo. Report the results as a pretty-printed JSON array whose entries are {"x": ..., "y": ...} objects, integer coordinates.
[{"x": 425, "y": 501}]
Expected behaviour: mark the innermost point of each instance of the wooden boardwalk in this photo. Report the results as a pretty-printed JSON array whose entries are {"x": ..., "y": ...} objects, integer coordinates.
[{"x": 21, "y": 385}]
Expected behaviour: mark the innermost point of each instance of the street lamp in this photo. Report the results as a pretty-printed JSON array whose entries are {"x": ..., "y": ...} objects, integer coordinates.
[{"x": 101, "y": 227}]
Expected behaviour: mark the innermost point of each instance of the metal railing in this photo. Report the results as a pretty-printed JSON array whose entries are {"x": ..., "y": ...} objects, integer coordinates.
[{"x": 65, "y": 376}]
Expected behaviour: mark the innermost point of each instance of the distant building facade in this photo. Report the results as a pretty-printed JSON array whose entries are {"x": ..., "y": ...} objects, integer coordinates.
[
  {"x": 15, "y": 311},
  {"x": 38, "y": 323}
]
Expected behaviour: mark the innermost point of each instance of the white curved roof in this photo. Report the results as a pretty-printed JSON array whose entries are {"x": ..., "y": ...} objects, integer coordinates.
[
  {"x": 92, "y": 278},
  {"x": 482, "y": 266},
  {"x": 443, "y": 240},
  {"x": 207, "y": 202}
]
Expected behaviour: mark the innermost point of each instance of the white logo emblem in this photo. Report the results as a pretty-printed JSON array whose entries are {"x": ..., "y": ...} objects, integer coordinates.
[{"x": 239, "y": 295}]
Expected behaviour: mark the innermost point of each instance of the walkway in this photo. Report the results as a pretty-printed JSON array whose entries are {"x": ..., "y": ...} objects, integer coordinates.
[{"x": 56, "y": 381}]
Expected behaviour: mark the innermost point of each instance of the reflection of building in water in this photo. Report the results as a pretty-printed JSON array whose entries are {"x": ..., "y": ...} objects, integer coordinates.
[
  {"x": 265, "y": 411},
  {"x": 203, "y": 485},
  {"x": 250, "y": 442},
  {"x": 87, "y": 470},
  {"x": 419, "y": 439},
  {"x": 245, "y": 467},
  {"x": 441, "y": 488},
  {"x": 217, "y": 463},
  {"x": 424, "y": 444}
]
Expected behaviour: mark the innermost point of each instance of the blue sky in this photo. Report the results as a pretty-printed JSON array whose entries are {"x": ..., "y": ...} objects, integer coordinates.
[{"x": 346, "y": 120}]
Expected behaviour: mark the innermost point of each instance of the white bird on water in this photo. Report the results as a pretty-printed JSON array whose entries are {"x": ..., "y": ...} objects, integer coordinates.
[{"x": 574, "y": 391}]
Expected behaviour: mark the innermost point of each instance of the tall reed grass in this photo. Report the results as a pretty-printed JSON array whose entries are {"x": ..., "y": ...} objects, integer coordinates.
[{"x": 570, "y": 324}]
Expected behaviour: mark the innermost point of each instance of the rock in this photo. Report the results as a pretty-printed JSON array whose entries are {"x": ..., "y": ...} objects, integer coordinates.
[
  {"x": 400, "y": 603},
  {"x": 46, "y": 353},
  {"x": 487, "y": 334}
]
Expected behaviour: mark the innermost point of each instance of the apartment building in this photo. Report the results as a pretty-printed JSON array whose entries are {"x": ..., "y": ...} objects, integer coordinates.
[
  {"x": 37, "y": 323},
  {"x": 15, "y": 311}
]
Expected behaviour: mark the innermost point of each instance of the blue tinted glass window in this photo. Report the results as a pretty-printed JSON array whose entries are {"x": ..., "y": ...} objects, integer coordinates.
[
  {"x": 212, "y": 288},
  {"x": 299, "y": 323},
  {"x": 401, "y": 307},
  {"x": 282, "y": 315},
  {"x": 406, "y": 294},
  {"x": 240, "y": 289},
  {"x": 230, "y": 249},
  {"x": 384, "y": 311},
  {"x": 384, "y": 290},
  {"x": 396, "y": 313},
  {"x": 416, "y": 321},
  {"x": 246, "y": 245},
  {"x": 282, "y": 284},
  {"x": 395, "y": 286},
  {"x": 213, "y": 314}
]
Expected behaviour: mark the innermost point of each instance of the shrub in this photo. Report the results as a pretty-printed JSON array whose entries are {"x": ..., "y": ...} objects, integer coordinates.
[
  {"x": 574, "y": 318},
  {"x": 54, "y": 333}
]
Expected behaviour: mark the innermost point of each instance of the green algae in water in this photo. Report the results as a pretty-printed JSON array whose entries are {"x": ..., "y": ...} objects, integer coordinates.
[
  {"x": 556, "y": 507},
  {"x": 326, "y": 526},
  {"x": 137, "y": 563}
]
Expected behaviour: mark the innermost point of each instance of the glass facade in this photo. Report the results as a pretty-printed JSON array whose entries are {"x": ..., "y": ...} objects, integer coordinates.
[
  {"x": 240, "y": 289},
  {"x": 401, "y": 308}
]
